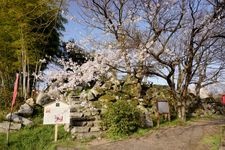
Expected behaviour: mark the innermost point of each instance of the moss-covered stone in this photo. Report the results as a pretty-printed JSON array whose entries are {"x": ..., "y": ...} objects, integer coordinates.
[
  {"x": 133, "y": 90},
  {"x": 75, "y": 92},
  {"x": 131, "y": 80},
  {"x": 97, "y": 104},
  {"x": 107, "y": 98},
  {"x": 107, "y": 85},
  {"x": 156, "y": 93},
  {"x": 98, "y": 91},
  {"x": 160, "y": 93}
]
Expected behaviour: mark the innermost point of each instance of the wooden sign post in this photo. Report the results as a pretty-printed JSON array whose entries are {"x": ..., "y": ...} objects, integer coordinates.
[
  {"x": 56, "y": 113},
  {"x": 162, "y": 109},
  {"x": 56, "y": 132}
]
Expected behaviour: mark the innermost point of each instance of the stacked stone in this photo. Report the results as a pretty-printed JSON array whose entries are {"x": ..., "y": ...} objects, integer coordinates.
[
  {"x": 18, "y": 118},
  {"x": 84, "y": 120},
  {"x": 205, "y": 108},
  {"x": 25, "y": 110}
]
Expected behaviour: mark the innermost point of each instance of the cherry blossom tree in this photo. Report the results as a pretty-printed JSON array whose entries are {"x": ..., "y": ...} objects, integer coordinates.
[
  {"x": 64, "y": 74},
  {"x": 180, "y": 41}
]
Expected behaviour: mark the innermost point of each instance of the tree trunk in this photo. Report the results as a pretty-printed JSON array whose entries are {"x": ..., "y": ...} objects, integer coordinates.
[
  {"x": 24, "y": 76},
  {"x": 24, "y": 65},
  {"x": 197, "y": 90},
  {"x": 2, "y": 80},
  {"x": 122, "y": 43},
  {"x": 182, "y": 101},
  {"x": 180, "y": 78},
  {"x": 182, "y": 111},
  {"x": 34, "y": 80},
  {"x": 28, "y": 81}
]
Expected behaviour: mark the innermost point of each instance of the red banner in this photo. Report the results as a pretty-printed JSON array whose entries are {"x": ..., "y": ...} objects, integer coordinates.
[
  {"x": 15, "y": 90},
  {"x": 223, "y": 100}
]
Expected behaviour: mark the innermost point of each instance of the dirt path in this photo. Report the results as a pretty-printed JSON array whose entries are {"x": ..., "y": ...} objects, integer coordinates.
[{"x": 173, "y": 138}]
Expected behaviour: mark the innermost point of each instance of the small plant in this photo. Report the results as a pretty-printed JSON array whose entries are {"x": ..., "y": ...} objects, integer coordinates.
[{"x": 121, "y": 119}]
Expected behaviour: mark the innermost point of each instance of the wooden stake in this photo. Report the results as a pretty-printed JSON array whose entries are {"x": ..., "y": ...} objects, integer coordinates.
[
  {"x": 56, "y": 132},
  {"x": 7, "y": 134},
  {"x": 158, "y": 119},
  {"x": 169, "y": 117}
]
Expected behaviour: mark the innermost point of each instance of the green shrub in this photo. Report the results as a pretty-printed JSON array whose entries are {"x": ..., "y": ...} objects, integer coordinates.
[{"x": 121, "y": 119}]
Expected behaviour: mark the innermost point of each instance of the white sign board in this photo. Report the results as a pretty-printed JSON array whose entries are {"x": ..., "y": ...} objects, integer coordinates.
[
  {"x": 56, "y": 113},
  {"x": 163, "y": 107}
]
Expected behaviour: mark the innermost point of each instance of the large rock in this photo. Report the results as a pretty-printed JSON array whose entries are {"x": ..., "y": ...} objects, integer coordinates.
[
  {"x": 115, "y": 81},
  {"x": 87, "y": 113},
  {"x": 72, "y": 97},
  {"x": 96, "y": 91},
  {"x": 95, "y": 111},
  {"x": 107, "y": 85},
  {"x": 98, "y": 84},
  {"x": 90, "y": 96},
  {"x": 18, "y": 119},
  {"x": 30, "y": 102},
  {"x": 83, "y": 95},
  {"x": 148, "y": 121},
  {"x": 87, "y": 95},
  {"x": 43, "y": 99},
  {"x": 54, "y": 93},
  {"x": 25, "y": 110},
  {"x": 145, "y": 117},
  {"x": 67, "y": 127},
  {"x": 4, "y": 126}
]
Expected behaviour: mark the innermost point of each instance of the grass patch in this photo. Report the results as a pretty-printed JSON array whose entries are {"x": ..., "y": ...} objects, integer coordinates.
[
  {"x": 142, "y": 132},
  {"x": 35, "y": 138},
  {"x": 212, "y": 141},
  {"x": 176, "y": 122}
]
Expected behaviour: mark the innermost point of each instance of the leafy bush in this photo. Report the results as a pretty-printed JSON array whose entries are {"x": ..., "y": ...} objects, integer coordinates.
[{"x": 121, "y": 119}]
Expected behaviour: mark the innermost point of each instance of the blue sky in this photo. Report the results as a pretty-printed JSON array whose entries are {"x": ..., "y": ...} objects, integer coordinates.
[{"x": 73, "y": 29}]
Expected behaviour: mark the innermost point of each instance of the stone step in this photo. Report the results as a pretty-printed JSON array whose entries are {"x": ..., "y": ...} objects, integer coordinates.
[
  {"x": 76, "y": 115},
  {"x": 95, "y": 129},
  {"x": 78, "y": 123},
  {"x": 75, "y": 98},
  {"x": 82, "y": 119},
  {"x": 86, "y": 135},
  {"x": 80, "y": 130}
]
